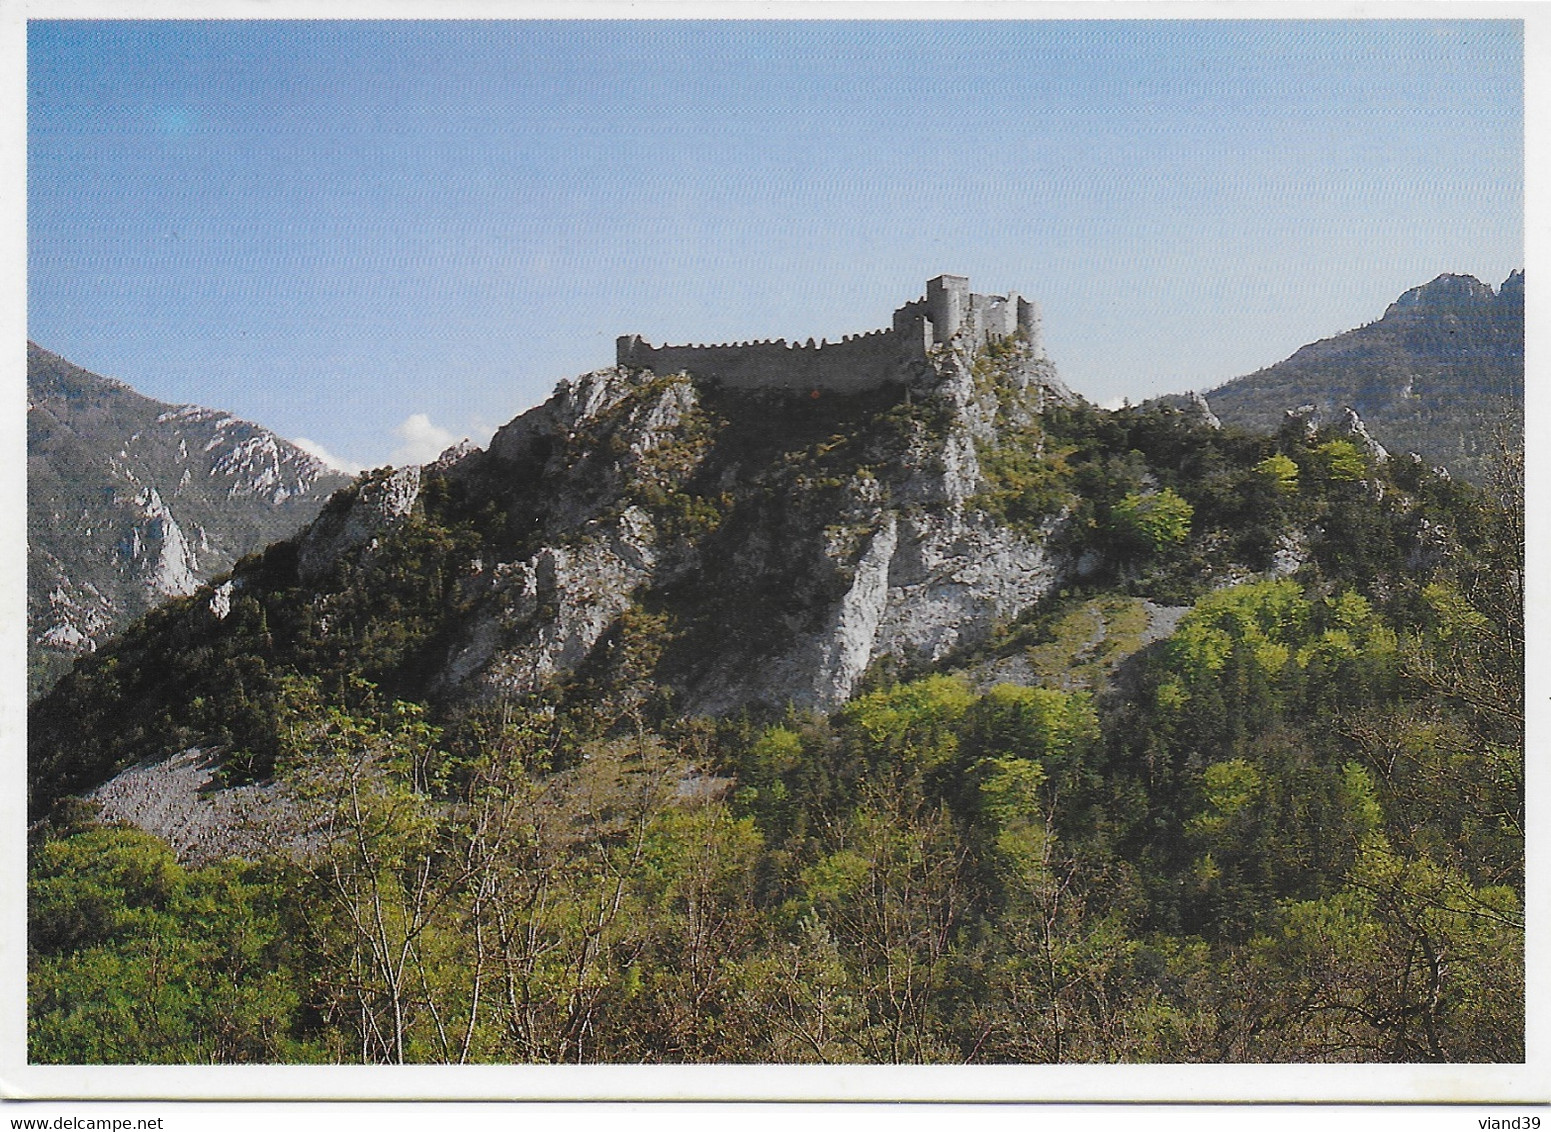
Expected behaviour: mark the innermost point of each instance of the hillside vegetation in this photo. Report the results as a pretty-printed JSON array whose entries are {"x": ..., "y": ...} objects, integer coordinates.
[{"x": 1289, "y": 830}]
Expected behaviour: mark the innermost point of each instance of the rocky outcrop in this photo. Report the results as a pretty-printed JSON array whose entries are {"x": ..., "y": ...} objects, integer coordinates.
[
  {"x": 543, "y": 616},
  {"x": 1302, "y": 419},
  {"x": 827, "y": 535},
  {"x": 1201, "y": 410},
  {"x": 158, "y": 545},
  {"x": 952, "y": 583},
  {"x": 1354, "y": 427},
  {"x": 353, "y": 520}
]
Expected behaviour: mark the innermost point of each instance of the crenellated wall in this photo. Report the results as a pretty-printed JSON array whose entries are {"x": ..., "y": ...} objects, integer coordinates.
[
  {"x": 949, "y": 313},
  {"x": 856, "y": 363}
]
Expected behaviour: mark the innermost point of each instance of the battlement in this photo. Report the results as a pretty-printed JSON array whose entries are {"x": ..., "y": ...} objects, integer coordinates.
[{"x": 949, "y": 314}]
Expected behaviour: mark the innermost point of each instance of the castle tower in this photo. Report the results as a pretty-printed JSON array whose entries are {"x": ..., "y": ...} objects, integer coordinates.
[
  {"x": 1031, "y": 326},
  {"x": 947, "y": 302}
]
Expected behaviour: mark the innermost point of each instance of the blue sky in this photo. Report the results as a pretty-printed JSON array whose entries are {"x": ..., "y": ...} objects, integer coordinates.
[{"x": 381, "y": 235}]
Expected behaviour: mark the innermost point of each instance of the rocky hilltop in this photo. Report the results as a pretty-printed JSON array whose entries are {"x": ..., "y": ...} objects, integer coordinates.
[
  {"x": 1440, "y": 374},
  {"x": 663, "y": 544},
  {"x": 131, "y": 501},
  {"x": 791, "y": 541},
  {"x": 766, "y": 547},
  {"x": 642, "y": 534}
]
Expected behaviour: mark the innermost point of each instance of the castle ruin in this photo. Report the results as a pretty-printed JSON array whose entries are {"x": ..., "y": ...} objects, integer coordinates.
[{"x": 948, "y": 315}]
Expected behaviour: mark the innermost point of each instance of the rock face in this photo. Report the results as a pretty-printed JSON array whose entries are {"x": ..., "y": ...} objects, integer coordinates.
[
  {"x": 779, "y": 544},
  {"x": 352, "y": 524},
  {"x": 1441, "y": 375},
  {"x": 1364, "y": 439},
  {"x": 132, "y": 501}
]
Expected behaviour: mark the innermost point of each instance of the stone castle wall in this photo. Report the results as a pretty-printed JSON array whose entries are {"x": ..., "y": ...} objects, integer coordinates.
[
  {"x": 855, "y": 364},
  {"x": 949, "y": 314}
]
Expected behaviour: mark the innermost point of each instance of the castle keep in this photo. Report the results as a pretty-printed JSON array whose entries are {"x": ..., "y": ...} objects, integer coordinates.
[{"x": 949, "y": 314}]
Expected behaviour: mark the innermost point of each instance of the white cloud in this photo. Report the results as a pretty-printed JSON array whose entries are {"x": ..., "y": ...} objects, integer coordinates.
[
  {"x": 316, "y": 450},
  {"x": 420, "y": 441},
  {"x": 1116, "y": 403}
]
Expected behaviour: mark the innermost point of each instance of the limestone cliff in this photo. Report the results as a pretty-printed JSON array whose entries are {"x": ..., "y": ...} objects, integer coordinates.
[{"x": 779, "y": 545}]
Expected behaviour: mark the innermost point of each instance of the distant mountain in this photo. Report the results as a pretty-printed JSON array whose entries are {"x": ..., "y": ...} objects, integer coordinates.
[
  {"x": 132, "y": 501},
  {"x": 1439, "y": 375}
]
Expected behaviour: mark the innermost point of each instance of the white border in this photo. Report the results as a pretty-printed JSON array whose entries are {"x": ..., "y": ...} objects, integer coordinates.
[
  {"x": 1134, "y": 1084},
  {"x": 1445, "y": 1084}
]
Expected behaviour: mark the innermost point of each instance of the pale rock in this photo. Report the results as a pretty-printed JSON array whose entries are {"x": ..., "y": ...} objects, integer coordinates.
[
  {"x": 1304, "y": 417},
  {"x": 545, "y": 615},
  {"x": 66, "y": 636},
  {"x": 379, "y": 504},
  {"x": 173, "y": 569},
  {"x": 1359, "y": 433},
  {"x": 221, "y": 599},
  {"x": 954, "y": 580},
  {"x": 1290, "y": 554},
  {"x": 1198, "y": 408},
  {"x": 452, "y": 454},
  {"x": 823, "y": 670}
]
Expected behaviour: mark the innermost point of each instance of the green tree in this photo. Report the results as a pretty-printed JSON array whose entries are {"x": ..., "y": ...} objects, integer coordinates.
[
  {"x": 1280, "y": 471},
  {"x": 1153, "y": 520},
  {"x": 1409, "y": 962},
  {"x": 1342, "y": 461},
  {"x": 691, "y": 927},
  {"x": 894, "y": 892}
]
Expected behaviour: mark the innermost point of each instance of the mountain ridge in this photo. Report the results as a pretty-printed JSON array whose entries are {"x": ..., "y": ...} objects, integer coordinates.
[
  {"x": 1440, "y": 374},
  {"x": 132, "y": 501}
]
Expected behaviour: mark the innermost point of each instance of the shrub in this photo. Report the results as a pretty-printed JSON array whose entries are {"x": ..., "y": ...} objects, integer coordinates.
[
  {"x": 1342, "y": 460},
  {"x": 1156, "y": 520},
  {"x": 1281, "y": 471}
]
